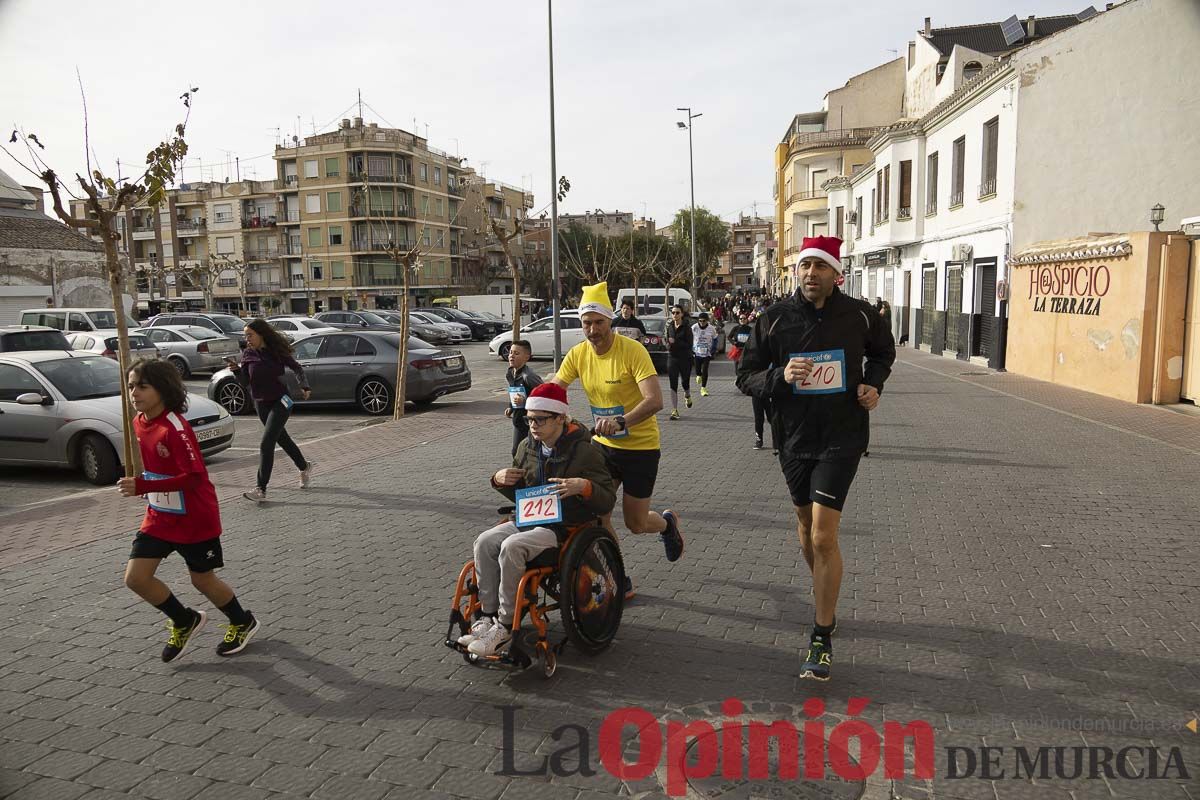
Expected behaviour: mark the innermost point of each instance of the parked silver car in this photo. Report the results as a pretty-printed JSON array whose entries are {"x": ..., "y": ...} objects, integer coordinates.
[
  {"x": 228, "y": 325},
  {"x": 358, "y": 367},
  {"x": 105, "y": 343},
  {"x": 458, "y": 332},
  {"x": 418, "y": 327},
  {"x": 192, "y": 349},
  {"x": 63, "y": 408}
]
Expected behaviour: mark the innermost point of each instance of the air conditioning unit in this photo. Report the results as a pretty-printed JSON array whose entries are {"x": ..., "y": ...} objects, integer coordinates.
[{"x": 960, "y": 252}]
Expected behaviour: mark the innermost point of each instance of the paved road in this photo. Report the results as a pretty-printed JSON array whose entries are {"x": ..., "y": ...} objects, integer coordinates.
[
  {"x": 1021, "y": 567},
  {"x": 22, "y": 486}
]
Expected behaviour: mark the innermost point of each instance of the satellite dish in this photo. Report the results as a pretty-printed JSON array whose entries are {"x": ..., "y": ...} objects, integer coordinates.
[
  {"x": 1086, "y": 14},
  {"x": 1013, "y": 30}
]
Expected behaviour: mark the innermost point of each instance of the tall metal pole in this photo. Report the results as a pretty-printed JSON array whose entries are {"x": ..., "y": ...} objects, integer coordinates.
[
  {"x": 554, "y": 276},
  {"x": 692, "y": 180}
]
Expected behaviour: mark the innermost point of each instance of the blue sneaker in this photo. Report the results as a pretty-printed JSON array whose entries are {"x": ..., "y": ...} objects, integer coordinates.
[
  {"x": 818, "y": 660},
  {"x": 672, "y": 537}
]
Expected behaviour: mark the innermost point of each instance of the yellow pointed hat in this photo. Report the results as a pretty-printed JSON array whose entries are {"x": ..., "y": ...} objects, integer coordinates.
[{"x": 595, "y": 300}]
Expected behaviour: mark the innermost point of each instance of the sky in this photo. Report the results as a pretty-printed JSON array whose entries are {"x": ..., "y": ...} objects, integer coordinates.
[{"x": 473, "y": 75}]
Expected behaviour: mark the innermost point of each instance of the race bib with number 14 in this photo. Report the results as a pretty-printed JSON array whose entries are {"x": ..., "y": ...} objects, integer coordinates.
[
  {"x": 538, "y": 505},
  {"x": 828, "y": 374}
]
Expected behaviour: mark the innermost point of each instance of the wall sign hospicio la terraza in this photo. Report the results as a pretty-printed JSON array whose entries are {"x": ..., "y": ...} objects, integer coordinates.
[{"x": 1069, "y": 288}]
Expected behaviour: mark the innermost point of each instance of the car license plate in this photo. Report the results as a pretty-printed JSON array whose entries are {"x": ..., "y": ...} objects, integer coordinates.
[
  {"x": 211, "y": 433},
  {"x": 454, "y": 363}
]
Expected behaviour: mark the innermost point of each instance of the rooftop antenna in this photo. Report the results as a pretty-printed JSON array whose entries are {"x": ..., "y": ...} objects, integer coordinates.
[
  {"x": 360, "y": 103},
  {"x": 313, "y": 122}
]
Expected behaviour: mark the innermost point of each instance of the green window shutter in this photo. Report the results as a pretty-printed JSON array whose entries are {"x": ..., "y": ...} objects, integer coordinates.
[{"x": 314, "y": 237}]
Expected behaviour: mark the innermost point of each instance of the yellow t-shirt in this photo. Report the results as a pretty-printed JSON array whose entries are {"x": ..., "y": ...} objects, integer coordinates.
[{"x": 611, "y": 384}]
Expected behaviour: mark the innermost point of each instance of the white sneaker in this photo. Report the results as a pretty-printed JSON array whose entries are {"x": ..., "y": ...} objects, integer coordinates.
[
  {"x": 491, "y": 641},
  {"x": 478, "y": 628},
  {"x": 306, "y": 475},
  {"x": 258, "y": 496}
]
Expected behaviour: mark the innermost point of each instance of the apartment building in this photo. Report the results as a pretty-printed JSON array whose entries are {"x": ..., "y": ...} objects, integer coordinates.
[
  {"x": 825, "y": 144},
  {"x": 601, "y": 222},
  {"x": 737, "y": 263}
]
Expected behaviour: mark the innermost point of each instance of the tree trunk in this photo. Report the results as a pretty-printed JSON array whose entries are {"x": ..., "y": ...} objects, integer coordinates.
[
  {"x": 402, "y": 360},
  {"x": 516, "y": 278},
  {"x": 132, "y": 457}
]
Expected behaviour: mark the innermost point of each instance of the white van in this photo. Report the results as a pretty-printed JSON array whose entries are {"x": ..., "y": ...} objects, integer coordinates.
[
  {"x": 652, "y": 302},
  {"x": 74, "y": 320}
]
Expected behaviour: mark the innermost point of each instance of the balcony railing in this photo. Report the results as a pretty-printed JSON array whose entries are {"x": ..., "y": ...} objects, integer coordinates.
[
  {"x": 291, "y": 180},
  {"x": 224, "y": 216},
  {"x": 294, "y": 249},
  {"x": 956, "y": 199},
  {"x": 457, "y": 190},
  {"x": 143, "y": 227},
  {"x": 186, "y": 226},
  {"x": 266, "y": 254},
  {"x": 987, "y": 188},
  {"x": 296, "y": 281},
  {"x": 903, "y": 213},
  {"x": 292, "y": 216},
  {"x": 930, "y": 207},
  {"x": 260, "y": 287},
  {"x": 398, "y": 211},
  {"x": 260, "y": 222},
  {"x": 848, "y": 137},
  {"x": 388, "y": 177},
  {"x": 815, "y": 194},
  {"x": 378, "y": 245}
]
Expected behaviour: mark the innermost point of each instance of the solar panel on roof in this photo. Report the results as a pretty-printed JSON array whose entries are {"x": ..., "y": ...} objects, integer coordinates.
[
  {"x": 1086, "y": 14},
  {"x": 1013, "y": 30}
]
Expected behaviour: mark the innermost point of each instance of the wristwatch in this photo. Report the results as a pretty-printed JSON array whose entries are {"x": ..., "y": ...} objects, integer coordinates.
[{"x": 620, "y": 421}]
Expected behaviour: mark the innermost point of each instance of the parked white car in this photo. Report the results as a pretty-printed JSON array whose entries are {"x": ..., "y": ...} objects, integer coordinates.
[
  {"x": 63, "y": 408},
  {"x": 540, "y": 336},
  {"x": 105, "y": 343},
  {"x": 296, "y": 328}
]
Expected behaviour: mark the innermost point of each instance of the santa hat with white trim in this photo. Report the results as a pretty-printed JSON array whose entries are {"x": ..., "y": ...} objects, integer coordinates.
[
  {"x": 547, "y": 397},
  {"x": 826, "y": 248}
]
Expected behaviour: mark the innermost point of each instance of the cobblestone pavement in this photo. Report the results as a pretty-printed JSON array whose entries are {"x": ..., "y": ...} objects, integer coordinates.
[{"x": 1021, "y": 569}]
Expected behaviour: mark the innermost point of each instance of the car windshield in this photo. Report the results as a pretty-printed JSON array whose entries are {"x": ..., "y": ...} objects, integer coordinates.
[
  {"x": 373, "y": 319},
  {"x": 655, "y": 326},
  {"x": 35, "y": 340},
  {"x": 200, "y": 333},
  {"x": 315, "y": 324},
  {"x": 454, "y": 312},
  {"x": 229, "y": 324},
  {"x": 83, "y": 378},
  {"x": 107, "y": 320}
]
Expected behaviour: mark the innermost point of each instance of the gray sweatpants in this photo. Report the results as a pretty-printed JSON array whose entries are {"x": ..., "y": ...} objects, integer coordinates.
[{"x": 501, "y": 554}]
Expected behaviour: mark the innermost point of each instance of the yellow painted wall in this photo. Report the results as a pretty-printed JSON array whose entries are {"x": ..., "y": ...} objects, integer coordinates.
[{"x": 1110, "y": 353}]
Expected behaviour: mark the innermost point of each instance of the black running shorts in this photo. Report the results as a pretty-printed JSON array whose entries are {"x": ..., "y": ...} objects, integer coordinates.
[
  {"x": 825, "y": 482},
  {"x": 636, "y": 469},
  {"x": 199, "y": 556}
]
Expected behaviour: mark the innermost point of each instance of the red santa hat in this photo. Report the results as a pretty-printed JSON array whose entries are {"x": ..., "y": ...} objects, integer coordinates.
[
  {"x": 826, "y": 248},
  {"x": 547, "y": 397}
]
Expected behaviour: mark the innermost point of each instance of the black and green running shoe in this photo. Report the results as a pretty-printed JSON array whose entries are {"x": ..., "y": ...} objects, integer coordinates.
[{"x": 818, "y": 660}]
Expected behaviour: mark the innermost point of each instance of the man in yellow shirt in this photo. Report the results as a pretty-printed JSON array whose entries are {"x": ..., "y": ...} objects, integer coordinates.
[{"x": 622, "y": 389}]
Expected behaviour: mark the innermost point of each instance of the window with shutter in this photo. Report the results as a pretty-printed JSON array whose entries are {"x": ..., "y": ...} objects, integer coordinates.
[{"x": 904, "y": 210}]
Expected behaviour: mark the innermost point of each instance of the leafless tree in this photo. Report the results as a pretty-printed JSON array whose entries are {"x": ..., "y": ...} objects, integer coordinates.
[{"x": 104, "y": 200}]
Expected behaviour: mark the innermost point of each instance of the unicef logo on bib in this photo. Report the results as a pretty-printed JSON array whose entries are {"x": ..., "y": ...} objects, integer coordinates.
[{"x": 828, "y": 375}]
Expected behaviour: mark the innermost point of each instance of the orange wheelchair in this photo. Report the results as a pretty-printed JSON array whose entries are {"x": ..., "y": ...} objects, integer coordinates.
[{"x": 583, "y": 579}]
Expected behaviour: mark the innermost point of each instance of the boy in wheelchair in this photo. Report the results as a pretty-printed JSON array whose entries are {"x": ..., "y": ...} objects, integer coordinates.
[{"x": 558, "y": 452}]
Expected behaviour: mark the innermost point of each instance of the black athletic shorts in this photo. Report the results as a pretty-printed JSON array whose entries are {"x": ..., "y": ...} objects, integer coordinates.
[
  {"x": 200, "y": 557},
  {"x": 636, "y": 469},
  {"x": 824, "y": 482}
]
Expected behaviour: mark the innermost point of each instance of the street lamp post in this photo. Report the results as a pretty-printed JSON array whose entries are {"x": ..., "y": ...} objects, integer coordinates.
[
  {"x": 692, "y": 180},
  {"x": 554, "y": 276}
]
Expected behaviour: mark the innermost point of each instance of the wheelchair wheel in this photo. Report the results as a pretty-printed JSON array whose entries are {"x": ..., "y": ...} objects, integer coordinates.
[{"x": 591, "y": 595}]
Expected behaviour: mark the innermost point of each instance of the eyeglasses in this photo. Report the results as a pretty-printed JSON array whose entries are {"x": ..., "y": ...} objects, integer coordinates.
[
  {"x": 676, "y": 313},
  {"x": 536, "y": 421}
]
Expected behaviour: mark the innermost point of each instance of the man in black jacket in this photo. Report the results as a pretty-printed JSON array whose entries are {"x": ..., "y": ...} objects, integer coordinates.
[{"x": 806, "y": 355}]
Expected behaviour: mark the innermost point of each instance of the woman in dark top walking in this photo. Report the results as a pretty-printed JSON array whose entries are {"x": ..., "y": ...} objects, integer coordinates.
[
  {"x": 679, "y": 358},
  {"x": 266, "y": 356}
]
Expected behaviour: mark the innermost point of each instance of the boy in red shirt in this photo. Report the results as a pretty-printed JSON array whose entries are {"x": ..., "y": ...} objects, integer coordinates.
[{"x": 182, "y": 515}]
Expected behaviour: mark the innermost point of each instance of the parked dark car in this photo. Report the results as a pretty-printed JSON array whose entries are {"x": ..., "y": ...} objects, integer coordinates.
[
  {"x": 356, "y": 320},
  {"x": 493, "y": 323},
  {"x": 481, "y": 330},
  {"x": 357, "y": 368},
  {"x": 228, "y": 325},
  {"x": 655, "y": 341},
  {"x": 18, "y": 338}
]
